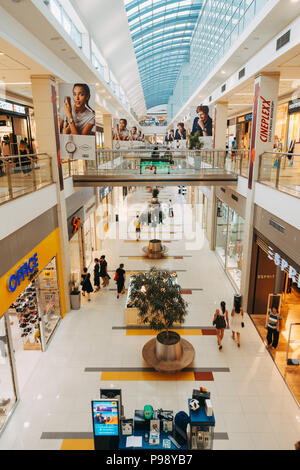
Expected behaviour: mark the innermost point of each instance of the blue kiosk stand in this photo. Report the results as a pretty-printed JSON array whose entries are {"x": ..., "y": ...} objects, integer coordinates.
[{"x": 106, "y": 424}]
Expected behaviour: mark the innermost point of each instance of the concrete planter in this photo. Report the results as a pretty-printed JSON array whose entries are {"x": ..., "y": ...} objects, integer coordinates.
[{"x": 170, "y": 350}]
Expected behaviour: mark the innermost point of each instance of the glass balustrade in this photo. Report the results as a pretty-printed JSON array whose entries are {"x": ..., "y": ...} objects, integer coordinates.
[
  {"x": 280, "y": 171},
  {"x": 23, "y": 174}
]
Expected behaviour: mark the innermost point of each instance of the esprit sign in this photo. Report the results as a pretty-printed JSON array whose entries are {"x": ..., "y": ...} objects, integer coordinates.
[
  {"x": 26, "y": 271},
  {"x": 266, "y": 120},
  {"x": 284, "y": 265}
]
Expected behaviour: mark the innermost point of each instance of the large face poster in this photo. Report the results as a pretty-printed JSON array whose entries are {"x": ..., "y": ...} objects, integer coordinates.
[
  {"x": 77, "y": 121},
  {"x": 201, "y": 122}
]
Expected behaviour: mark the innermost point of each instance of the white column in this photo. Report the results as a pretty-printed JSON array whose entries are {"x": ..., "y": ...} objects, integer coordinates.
[
  {"x": 107, "y": 125},
  {"x": 220, "y": 124},
  {"x": 262, "y": 138},
  {"x": 43, "y": 90}
]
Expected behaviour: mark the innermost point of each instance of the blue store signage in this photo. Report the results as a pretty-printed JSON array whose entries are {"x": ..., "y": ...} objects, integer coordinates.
[{"x": 28, "y": 271}]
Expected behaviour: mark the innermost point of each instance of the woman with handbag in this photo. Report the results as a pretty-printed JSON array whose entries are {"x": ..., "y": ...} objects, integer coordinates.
[
  {"x": 237, "y": 323},
  {"x": 120, "y": 278},
  {"x": 221, "y": 321},
  {"x": 86, "y": 284}
]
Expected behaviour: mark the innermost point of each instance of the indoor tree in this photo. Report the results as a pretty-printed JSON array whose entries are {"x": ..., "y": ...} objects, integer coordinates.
[{"x": 158, "y": 298}]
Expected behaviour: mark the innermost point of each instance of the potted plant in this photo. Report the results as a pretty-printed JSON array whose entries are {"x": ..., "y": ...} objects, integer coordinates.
[
  {"x": 75, "y": 297},
  {"x": 157, "y": 296},
  {"x": 194, "y": 142}
]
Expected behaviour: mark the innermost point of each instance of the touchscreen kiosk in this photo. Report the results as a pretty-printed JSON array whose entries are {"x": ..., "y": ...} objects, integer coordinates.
[{"x": 105, "y": 414}]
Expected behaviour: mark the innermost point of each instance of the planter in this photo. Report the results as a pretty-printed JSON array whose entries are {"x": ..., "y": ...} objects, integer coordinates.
[
  {"x": 155, "y": 249},
  {"x": 168, "y": 348},
  {"x": 75, "y": 300}
]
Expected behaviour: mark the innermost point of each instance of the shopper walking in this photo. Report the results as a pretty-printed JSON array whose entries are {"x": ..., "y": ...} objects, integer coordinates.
[
  {"x": 137, "y": 224},
  {"x": 273, "y": 327},
  {"x": 237, "y": 315},
  {"x": 120, "y": 278},
  {"x": 103, "y": 271},
  {"x": 86, "y": 284},
  {"x": 97, "y": 275},
  {"x": 171, "y": 212},
  {"x": 220, "y": 321}
]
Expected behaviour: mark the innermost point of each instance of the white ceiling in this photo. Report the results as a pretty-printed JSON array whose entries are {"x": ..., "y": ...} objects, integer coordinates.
[{"x": 107, "y": 22}]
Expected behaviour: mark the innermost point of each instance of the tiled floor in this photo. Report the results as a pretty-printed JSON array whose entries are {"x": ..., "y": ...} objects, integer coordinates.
[{"x": 251, "y": 401}]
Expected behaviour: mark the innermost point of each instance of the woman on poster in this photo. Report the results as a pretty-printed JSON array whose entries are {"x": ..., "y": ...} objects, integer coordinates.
[{"x": 78, "y": 119}]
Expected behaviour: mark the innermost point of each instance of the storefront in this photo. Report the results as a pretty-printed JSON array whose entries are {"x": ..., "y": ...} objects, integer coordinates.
[
  {"x": 16, "y": 123},
  {"x": 229, "y": 233},
  {"x": 243, "y": 131},
  {"x": 32, "y": 305},
  {"x": 275, "y": 281},
  {"x": 281, "y": 128},
  {"x": 293, "y": 140},
  {"x": 231, "y": 131},
  {"x": 99, "y": 137},
  {"x": 105, "y": 196}
]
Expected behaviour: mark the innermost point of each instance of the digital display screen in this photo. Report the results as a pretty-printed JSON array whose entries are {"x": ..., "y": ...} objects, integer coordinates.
[{"x": 105, "y": 417}]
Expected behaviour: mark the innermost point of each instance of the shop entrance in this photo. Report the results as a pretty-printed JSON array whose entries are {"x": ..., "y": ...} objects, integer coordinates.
[
  {"x": 267, "y": 279},
  {"x": 32, "y": 319}
]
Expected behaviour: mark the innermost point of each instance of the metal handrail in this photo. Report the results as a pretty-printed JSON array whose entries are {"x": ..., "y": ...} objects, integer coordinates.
[
  {"x": 13, "y": 169},
  {"x": 9, "y": 157}
]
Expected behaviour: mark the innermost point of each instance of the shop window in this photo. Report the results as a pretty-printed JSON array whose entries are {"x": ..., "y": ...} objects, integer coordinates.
[
  {"x": 8, "y": 395},
  {"x": 229, "y": 241}
]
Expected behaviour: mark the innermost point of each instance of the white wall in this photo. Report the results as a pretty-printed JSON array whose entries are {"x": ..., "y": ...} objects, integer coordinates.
[
  {"x": 19, "y": 212},
  {"x": 282, "y": 205}
]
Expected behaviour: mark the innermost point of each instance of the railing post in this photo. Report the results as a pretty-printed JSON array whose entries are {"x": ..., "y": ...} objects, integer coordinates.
[
  {"x": 278, "y": 171},
  {"x": 33, "y": 173},
  {"x": 10, "y": 189}
]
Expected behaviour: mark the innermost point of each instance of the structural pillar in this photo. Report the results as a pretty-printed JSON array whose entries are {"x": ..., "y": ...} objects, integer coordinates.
[
  {"x": 108, "y": 130},
  {"x": 45, "y": 110},
  {"x": 262, "y": 138},
  {"x": 220, "y": 125}
]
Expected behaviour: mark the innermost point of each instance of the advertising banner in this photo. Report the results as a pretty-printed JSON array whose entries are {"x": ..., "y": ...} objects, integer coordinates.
[
  {"x": 263, "y": 123},
  {"x": 77, "y": 121},
  {"x": 202, "y": 123}
]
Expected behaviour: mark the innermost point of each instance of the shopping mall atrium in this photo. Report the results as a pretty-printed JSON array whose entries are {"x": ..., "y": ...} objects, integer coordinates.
[{"x": 150, "y": 225}]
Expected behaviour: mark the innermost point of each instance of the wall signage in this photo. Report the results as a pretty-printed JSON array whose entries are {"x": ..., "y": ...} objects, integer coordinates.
[
  {"x": 28, "y": 270},
  {"x": 294, "y": 106},
  {"x": 284, "y": 265},
  {"x": 12, "y": 107},
  {"x": 266, "y": 121},
  {"x": 76, "y": 222}
]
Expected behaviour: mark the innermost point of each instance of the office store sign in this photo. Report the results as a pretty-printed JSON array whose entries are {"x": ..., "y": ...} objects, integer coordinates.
[
  {"x": 284, "y": 265},
  {"x": 27, "y": 271},
  {"x": 266, "y": 120}
]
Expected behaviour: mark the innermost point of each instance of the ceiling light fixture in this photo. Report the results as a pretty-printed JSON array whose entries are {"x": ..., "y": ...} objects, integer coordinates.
[{"x": 15, "y": 83}]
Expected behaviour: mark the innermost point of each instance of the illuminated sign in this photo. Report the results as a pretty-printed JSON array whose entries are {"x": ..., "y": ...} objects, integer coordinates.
[
  {"x": 6, "y": 106},
  {"x": 284, "y": 265},
  {"x": 19, "y": 109},
  {"x": 265, "y": 120},
  {"x": 12, "y": 107},
  {"x": 27, "y": 270}
]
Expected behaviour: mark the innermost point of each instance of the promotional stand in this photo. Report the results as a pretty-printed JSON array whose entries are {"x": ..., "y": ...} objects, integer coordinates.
[{"x": 106, "y": 424}]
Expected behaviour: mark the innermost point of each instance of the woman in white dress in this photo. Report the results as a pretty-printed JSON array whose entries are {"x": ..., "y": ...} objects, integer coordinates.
[{"x": 237, "y": 315}]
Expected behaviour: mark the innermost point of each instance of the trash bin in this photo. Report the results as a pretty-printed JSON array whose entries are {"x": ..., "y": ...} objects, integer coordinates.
[{"x": 75, "y": 300}]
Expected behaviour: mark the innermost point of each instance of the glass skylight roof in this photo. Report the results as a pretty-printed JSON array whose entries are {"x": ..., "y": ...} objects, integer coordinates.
[{"x": 161, "y": 32}]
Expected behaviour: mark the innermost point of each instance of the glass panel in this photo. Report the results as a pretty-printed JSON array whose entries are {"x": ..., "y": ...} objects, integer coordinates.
[
  {"x": 48, "y": 298},
  {"x": 235, "y": 247},
  {"x": 7, "y": 389},
  {"x": 221, "y": 232}
]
